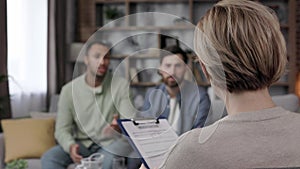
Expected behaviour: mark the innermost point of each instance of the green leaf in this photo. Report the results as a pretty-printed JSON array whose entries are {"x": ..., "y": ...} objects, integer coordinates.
[
  {"x": 17, "y": 164},
  {"x": 112, "y": 12}
]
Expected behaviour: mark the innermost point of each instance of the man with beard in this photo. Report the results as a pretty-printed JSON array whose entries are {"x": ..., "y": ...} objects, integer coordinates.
[
  {"x": 183, "y": 103},
  {"x": 87, "y": 112}
]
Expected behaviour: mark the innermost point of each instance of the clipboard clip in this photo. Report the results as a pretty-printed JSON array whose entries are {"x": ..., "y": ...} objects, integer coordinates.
[{"x": 144, "y": 121}]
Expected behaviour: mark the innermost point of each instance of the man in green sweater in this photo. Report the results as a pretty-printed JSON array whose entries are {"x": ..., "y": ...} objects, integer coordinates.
[{"x": 87, "y": 112}]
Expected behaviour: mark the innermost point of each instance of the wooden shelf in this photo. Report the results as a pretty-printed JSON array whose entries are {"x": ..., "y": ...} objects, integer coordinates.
[
  {"x": 147, "y": 28},
  {"x": 204, "y": 84},
  {"x": 158, "y": 1},
  {"x": 118, "y": 56},
  {"x": 284, "y": 26},
  {"x": 109, "y": 1},
  {"x": 213, "y": 1},
  {"x": 153, "y": 1},
  {"x": 144, "y": 84},
  {"x": 134, "y": 57},
  {"x": 283, "y": 84}
]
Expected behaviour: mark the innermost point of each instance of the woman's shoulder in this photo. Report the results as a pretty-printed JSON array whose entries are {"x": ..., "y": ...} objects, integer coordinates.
[{"x": 187, "y": 140}]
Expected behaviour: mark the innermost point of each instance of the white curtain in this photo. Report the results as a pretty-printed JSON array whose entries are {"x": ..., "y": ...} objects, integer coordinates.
[{"x": 27, "y": 55}]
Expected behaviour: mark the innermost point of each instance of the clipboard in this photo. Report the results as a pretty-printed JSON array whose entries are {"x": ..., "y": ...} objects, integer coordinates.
[{"x": 151, "y": 138}]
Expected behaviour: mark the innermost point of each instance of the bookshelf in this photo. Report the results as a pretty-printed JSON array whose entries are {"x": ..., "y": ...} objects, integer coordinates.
[{"x": 92, "y": 16}]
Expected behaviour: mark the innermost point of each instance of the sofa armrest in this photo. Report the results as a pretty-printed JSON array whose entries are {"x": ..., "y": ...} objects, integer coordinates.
[
  {"x": 289, "y": 102},
  {"x": 2, "y": 151}
]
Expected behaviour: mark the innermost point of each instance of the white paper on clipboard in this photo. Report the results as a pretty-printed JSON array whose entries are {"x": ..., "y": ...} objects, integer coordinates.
[{"x": 151, "y": 139}]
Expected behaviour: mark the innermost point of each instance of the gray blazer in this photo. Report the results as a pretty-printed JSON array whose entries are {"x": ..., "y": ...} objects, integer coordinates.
[{"x": 193, "y": 101}]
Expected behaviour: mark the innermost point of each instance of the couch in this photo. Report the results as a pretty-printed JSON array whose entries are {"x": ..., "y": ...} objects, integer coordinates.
[
  {"x": 289, "y": 102},
  {"x": 33, "y": 163}
]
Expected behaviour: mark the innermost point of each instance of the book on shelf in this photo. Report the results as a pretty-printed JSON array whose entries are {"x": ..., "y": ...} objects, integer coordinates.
[
  {"x": 134, "y": 78},
  {"x": 199, "y": 75}
]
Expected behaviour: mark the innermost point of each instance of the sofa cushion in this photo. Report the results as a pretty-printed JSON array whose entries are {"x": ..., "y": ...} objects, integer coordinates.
[
  {"x": 43, "y": 115},
  {"x": 27, "y": 138},
  {"x": 34, "y": 163}
]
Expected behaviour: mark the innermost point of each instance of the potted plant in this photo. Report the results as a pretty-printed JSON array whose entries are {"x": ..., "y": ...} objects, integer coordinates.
[
  {"x": 17, "y": 164},
  {"x": 111, "y": 13}
]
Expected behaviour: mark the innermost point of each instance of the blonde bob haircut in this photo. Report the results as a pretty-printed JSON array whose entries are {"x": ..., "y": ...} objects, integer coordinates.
[{"x": 241, "y": 46}]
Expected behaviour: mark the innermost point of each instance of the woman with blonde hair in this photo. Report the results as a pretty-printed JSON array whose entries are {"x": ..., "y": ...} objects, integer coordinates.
[{"x": 242, "y": 51}]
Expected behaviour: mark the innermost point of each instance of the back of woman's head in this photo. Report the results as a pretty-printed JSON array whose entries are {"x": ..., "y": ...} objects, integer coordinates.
[{"x": 241, "y": 41}]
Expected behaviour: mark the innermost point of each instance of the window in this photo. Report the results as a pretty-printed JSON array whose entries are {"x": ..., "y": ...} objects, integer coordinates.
[{"x": 27, "y": 55}]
